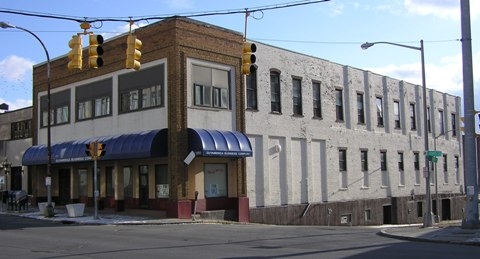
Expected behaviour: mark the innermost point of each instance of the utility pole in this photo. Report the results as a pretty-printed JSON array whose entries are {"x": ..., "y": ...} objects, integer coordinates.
[{"x": 471, "y": 220}]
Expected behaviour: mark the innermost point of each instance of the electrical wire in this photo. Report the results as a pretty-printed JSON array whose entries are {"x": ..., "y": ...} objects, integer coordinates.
[{"x": 160, "y": 17}]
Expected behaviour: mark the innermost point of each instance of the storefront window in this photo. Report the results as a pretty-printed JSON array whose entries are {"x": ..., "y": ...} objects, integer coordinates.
[
  {"x": 215, "y": 180},
  {"x": 109, "y": 181},
  {"x": 82, "y": 182},
  {"x": 127, "y": 182},
  {"x": 161, "y": 181}
]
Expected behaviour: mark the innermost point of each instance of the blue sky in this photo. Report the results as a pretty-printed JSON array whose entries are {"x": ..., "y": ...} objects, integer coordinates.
[{"x": 332, "y": 30}]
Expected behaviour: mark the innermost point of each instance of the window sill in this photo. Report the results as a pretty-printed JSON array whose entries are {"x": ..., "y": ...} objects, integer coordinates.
[
  {"x": 343, "y": 189},
  {"x": 365, "y": 188}
]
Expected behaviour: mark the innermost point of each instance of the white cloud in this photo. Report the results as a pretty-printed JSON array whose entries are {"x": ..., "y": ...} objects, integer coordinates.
[
  {"x": 123, "y": 28},
  {"x": 14, "y": 68},
  {"x": 445, "y": 77},
  {"x": 446, "y": 9}
]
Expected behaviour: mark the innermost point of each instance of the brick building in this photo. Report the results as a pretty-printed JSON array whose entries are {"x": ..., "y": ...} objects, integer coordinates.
[{"x": 300, "y": 141}]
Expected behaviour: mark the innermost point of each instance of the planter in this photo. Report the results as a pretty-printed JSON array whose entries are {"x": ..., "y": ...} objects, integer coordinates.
[
  {"x": 43, "y": 205},
  {"x": 75, "y": 210}
]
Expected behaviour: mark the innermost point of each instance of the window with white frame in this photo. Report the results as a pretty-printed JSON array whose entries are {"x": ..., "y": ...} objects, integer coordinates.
[
  {"x": 102, "y": 106},
  {"x": 210, "y": 87},
  {"x": 84, "y": 110},
  {"x": 94, "y": 99},
  {"x": 59, "y": 108},
  {"x": 383, "y": 168},
  {"x": 317, "y": 100},
  {"x": 142, "y": 89},
  {"x": 379, "y": 104},
  {"x": 416, "y": 167},
  {"x": 342, "y": 164},
  {"x": 401, "y": 168},
  {"x": 396, "y": 114},
  {"x": 413, "y": 120}
]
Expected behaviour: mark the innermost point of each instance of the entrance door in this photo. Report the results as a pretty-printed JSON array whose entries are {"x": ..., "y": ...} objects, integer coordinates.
[
  {"x": 16, "y": 181},
  {"x": 387, "y": 214},
  {"x": 143, "y": 188},
  {"x": 63, "y": 186},
  {"x": 446, "y": 209}
]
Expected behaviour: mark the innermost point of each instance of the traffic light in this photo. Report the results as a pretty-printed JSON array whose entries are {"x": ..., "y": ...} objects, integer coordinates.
[
  {"x": 90, "y": 149},
  {"x": 95, "y": 51},
  {"x": 248, "y": 58},
  {"x": 75, "y": 54},
  {"x": 100, "y": 149},
  {"x": 133, "y": 52}
]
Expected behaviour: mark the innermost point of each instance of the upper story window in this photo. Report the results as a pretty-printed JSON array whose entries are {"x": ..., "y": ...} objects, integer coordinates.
[
  {"x": 317, "y": 100},
  {"x": 59, "y": 108},
  {"x": 339, "y": 104},
  {"x": 383, "y": 160},
  {"x": 454, "y": 124},
  {"x": 416, "y": 161},
  {"x": 413, "y": 120},
  {"x": 210, "y": 87},
  {"x": 297, "y": 96},
  {"x": 275, "y": 96},
  {"x": 360, "y": 108},
  {"x": 441, "y": 123},
  {"x": 252, "y": 91},
  {"x": 21, "y": 129},
  {"x": 94, "y": 100},
  {"x": 429, "y": 125},
  {"x": 364, "y": 160},
  {"x": 379, "y": 104},
  {"x": 139, "y": 90},
  {"x": 342, "y": 159},
  {"x": 401, "y": 166},
  {"x": 396, "y": 114}
]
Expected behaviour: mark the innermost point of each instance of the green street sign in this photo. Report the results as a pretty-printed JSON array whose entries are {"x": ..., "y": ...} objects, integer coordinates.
[
  {"x": 434, "y": 159},
  {"x": 434, "y": 153}
]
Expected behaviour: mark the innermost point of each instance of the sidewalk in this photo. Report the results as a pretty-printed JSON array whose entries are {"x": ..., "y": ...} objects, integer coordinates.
[
  {"x": 444, "y": 232},
  {"x": 106, "y": 217}
]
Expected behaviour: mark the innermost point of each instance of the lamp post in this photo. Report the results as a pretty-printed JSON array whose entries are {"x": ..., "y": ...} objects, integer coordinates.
[
  {"x": 428, "y": 218},
  {"x": 49, "y": 208}
]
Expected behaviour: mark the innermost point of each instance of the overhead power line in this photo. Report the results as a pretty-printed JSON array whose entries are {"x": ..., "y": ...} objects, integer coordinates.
[{"x": 80, "y": 19}]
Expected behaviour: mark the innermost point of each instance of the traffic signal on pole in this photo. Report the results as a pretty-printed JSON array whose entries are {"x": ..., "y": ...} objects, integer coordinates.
[
  {"x": 90, "y": 149},
  {"x": 75, "y": 54},
  {"x": 248, "y": 58},
  {"x": 134, "y": 46},
  {"x": 100, "y": 149},
  {"x": 95, "y": 51}
]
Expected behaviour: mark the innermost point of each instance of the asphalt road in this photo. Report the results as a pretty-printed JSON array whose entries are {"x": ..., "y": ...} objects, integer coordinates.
[{"x": 31, "y": 238}]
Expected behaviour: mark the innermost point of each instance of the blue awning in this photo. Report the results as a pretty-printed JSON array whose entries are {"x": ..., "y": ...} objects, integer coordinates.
[
  {"x": 206, "y": 142},
  {"x": 144, "y": 144}
]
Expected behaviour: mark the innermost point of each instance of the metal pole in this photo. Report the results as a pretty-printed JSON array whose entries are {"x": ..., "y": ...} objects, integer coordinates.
[
  {"x": 471, "y": 220},
  {"x": 95, "y": 185},
  {"x": 437, "y": 216},
  {"x": 49, "y": 209},
  {"x": 428, "y": 217}
]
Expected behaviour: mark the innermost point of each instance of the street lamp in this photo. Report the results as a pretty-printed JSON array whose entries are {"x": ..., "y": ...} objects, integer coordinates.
[
  {"x": 49, "y": 208},
  {"x": 427, "y": 220}
]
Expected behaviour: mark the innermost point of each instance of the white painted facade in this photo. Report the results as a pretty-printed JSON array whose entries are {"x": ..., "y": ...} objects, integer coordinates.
[{"x": 296, "y": 158}]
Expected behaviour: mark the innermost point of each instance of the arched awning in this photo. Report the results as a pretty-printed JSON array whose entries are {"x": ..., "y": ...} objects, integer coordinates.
[
  {"x": 207, "y": 142},
  {"x": 144, "y": 144}
]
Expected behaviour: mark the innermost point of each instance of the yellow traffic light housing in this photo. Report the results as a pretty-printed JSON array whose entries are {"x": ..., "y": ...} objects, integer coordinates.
[
  {"x": 101, "y": 149},
  {"x": 75, "y": 54},
  {"x": 134, "y": 46},
  {"x": 248, "y": 58},
  {"x": 95, "y": 51},
  {"x": 89, "y": 149}
]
